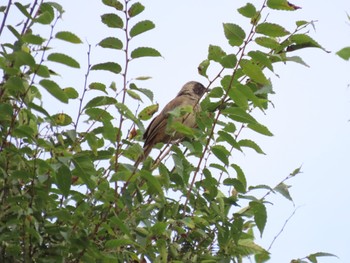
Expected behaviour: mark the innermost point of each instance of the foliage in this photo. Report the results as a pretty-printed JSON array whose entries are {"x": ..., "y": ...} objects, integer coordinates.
[
  {"x": 344, "y": 53},
  {"x": 69, "y": 191}
]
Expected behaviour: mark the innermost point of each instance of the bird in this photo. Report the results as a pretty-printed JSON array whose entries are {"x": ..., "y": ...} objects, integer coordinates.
[{"x": 157, "y": 131}]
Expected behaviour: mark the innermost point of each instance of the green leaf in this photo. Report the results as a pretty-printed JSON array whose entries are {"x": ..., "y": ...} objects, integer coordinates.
[
  {"x": 260, "y": 215},
  {"x": 135, "y": 9},
  {"x": 181, "y": 128},
  {"x": 261, "y": 58},
  {"x": 271, "y": 30},
  {"x": 6, "y": 112},
  {"x": 154, "y": 187},
  {"x": 303, "y": 41},
  {"x": 54, "y": 90},
  {"x": 133, "y": 94},
  {"x": 281, "y": 5},
  {"x": 108, "y": 66},
  {"x": 24, "y": 131},
  {"x": 248, "y": 10},
  {"x": 297, "y": 59},
  {"x": 282, "y": 188},
  {"x": 23, "y": 9},
  {"x": 221, "y": 153},
  {"x": 100, "y": 101},
  {"x": 260, "y": 129},
  {"x": 250, "y": 144},
  {"x": 114, "y": 3},
  {"x": 116, "y": 243},
  {"x": 71, "y": 93},
  {"x": 98, "y": 114},
  {"x": 22, "y": 58},
  {"x": 45, "y": 18},
  {"x": 61, "y": 119},
  {"x": 148, "y": 112},
  {"x": 141, "y": 27},
  {"x": 229, "y": 61},
  {"x": 68, "y": 36},
  {"x": 98, "y": 86},
  {"x": 234, "y": 34},
  {"x": 313, "y": 257},
  {"x": 84, "y": 168},
  {"x": 239, "y": 115},
  {"x": 344, "y": 53},
  {"x": 227, "y": 137},
  {"x": 238, "y": 97},
  {"x": 111, "y": 42},
  {"x": 253, "y": 71},
  {"x": 202, "y": 67},
  {"x": 267, "y": 42},
  {"x": 64, "y": 179},
  {"x": 33, "y": 39},
  {"x": 148, "y": 93},
  {"x": 42, "y": 71},
  {"x": 240, "y": 175},
  {"x": 145, "y": 52},
  {"x": 112, "y": 20},
  {"x": 63, "y": 59},
  {"x": 215, "y": 53}
]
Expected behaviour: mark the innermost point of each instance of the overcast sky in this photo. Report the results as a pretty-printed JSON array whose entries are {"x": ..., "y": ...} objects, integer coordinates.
[{"x": 310, "y": 121}]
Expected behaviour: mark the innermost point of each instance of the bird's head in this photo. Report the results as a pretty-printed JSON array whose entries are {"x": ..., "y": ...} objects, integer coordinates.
[{"x": 193, "y": 89}]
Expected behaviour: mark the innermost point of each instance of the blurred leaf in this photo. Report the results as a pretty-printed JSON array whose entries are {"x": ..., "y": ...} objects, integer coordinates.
[
  {"x": 313, "y": 257},
  {"x": 145, "y": 52},
  {"x": 98, "y": 86},
  {"x": 61, "y": 119},
  {"x": 239, "y": 115},
  {"x": 261, "y": 58},
  {"x": 271, "y": 30},
  {"x": 133, "y": 94},
  {"x": 84, "y": 169},
  {"x": 100, "y": 101},
  {"x": 234, "y": 34},
  {"x": 298, "y": 60},
  {"x": 112, "y": 20},
  {"x": 108, "y": 66},
  {"x": 260, "y": 215},
  {"x": 71, "y": 93},
  {"x": 33, "y": 39},
  {"x": 141, "y": 27},
  {"x": 303, "y": 41},
  {"x": 283, "y": 190},
  {"x": 227, "y": 137},
  {"x": 148, "y": 93},
  {"x": 54, "y": 90},
  {"x": 114, "y": 3},
  {"x": 267, "y": 42},
  {"x": 98, "y": 114},
  {"x": 111, "y": 42},
  {"x": 22, "y": 58},
  {"x": 68, "y": 36},
  {"x": 253, "y": 71},
  {"x": 135, "y": 9},
  {"x": 215, "y": 53},
  {"x": 148, "y": 112},
  {"x": 250, "y": 144},
  {"x": 344, "y": 53},
  {"x": 202, "y": 67},
  {"x": 240, "y": 175},
  {"x": 248, "y": 10},
  {"x": 281, "y": 5},
  {"x": 221, "y": 153},
  {"x": 63, "y": 59},
  {"x": 153, "y": 184},
  {"x": 64, "y": 179},
  {"x": 260, "y": 129}
]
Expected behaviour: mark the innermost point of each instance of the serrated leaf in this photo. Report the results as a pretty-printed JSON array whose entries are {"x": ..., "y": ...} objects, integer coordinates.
[
  {"x": 145, "y": 52},
  {"x": 215, "y": 53},
  {"x": 148, "y": 112},
  {"x": 114, "y": 3},
  {"x": 250, "y": 144},
  {"x": 238, "y": 114},
  {"x": 267, "y": 42},
  {"x": 68, "y": 36},
  {"x": 54, "y": 90},
  {"x": 108, "y": 66},
  {"x": 98, "y": 86},
  {"x": 260, "y": 215},
  {"x": 303, "y": 41},
  {"x": 112, "y": 20},
  {"x": 229, "y": 61},
  {"x": 281, "y": 5},
  {"x": 141, "y": 27},
  {"x": 221, "y": 153},
  {"x": 253, "y": 71},
  {"x": 234, "y": 34},
  {"x": 111, "y": 42},
  {"x": 248, "y": 10},
  {"x": 100, "y": 101},
  {"x": 240, "y": 175},
  {"x": 135, "y": 9},
  {"x": 271, "y": 30},
  {"x": 344, "y": 53},
  {"x": 260, "y": 129},
  {"x": 227, "y": 137},
  {"x": 63, "y": 59},
  {"x": 261, "y": 58}
]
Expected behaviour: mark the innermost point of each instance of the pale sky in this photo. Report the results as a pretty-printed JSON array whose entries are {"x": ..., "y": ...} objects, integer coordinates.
[{"x": 310, "y": 121}]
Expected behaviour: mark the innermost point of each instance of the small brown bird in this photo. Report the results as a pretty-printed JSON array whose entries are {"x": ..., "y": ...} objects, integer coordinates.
[{"x": 157, "y": 131}]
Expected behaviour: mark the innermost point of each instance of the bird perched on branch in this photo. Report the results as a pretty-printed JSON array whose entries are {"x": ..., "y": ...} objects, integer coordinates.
[{"x": 157, "y": 130}]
